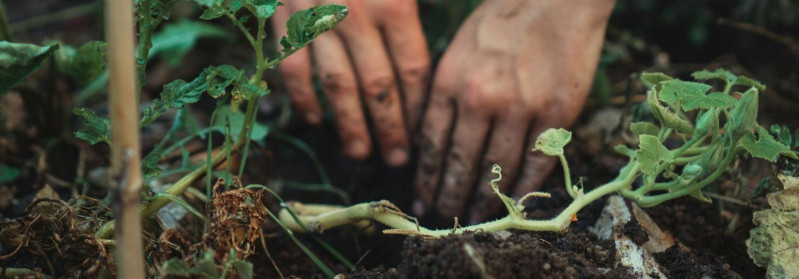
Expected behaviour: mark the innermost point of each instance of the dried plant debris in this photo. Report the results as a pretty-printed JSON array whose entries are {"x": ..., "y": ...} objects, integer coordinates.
[
  {"x": 774, "y": 243},
  {"x": 236, "y": 219},
  {"x": 61, "y": 235}
]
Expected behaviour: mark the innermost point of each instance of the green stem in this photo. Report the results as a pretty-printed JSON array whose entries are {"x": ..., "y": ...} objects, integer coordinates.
[
  {"x": 241, "y": 27},
  {"x": 177, "y": 189},
  {"x": 5, "y": 32},
  {"x": 567, "y": 176}
]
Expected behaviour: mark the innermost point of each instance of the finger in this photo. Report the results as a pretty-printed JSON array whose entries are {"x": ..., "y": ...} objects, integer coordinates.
[
  {"x": 505, "y": 148},
  {"x": 467, "y": 142},
  {"x": 376, "y": 78},
  {"x": 406, "y": 43},
  {"x": 340, "y": 85},
  {"x": 296, "y": 69},
  {"x": 433, "y": 140}
]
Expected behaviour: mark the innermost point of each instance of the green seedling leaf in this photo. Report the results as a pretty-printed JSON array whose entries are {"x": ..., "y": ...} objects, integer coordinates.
[
  {"x": 651, "y": 79},
  {"x": 8, "y": 174},
  {"x": 303, "y": 26},
  {"x": 719, "y": 73},
  {"x": 743, "y": 116},
  {"x": 774, "y": 243},
  {"x": 149, "y": 166},
  {"x": 260, "y": 8},
  {"x": 206, "y": 266},
  {"x": 651, "y": 154},
  {"x": 765, "y": 146},
  {"x": 17, "y": 61},
  {"x": 84, "y": 64},
  {"x": 173, "y": 42},
  {"x": 243, "y": 268},
  {"x": 176, "y": 267},
  {"x": 666, "y": 116},
  {"x": 552, "y": 141},
  {"x": 745, "y": 81},
  {"x": 691, "y": 95},
  {"x": 97, "y": 129},
  {"x": 237, "y": 118},
  {"x": 644, "y": 128}
]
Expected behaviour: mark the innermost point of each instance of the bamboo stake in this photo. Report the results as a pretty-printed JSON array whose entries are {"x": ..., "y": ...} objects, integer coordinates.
[{"x": 124, "y": 108}]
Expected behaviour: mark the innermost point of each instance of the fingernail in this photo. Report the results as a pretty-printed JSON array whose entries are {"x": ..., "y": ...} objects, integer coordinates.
[
  {"x": 397, "y": 156},
  {"x": 418, "y": 208},
  {"x": 313, "y": 118},
  {"x": 357, "y": 149}
]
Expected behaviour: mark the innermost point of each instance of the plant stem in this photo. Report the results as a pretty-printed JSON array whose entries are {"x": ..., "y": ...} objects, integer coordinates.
[
  {"x": 567, "y": 176},
  {"x": 176, "y": 189},
  {"x": 125, "y": 153},
  {"x": 387, "y": 214},
  {"x": 5, "y": 30},
  {"x": 241, "y": 27}
]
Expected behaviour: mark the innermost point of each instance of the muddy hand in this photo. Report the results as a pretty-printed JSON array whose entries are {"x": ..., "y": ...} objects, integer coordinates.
[
  {"x": 515, "y": 68},
  {"x": 357, "y": 60}
]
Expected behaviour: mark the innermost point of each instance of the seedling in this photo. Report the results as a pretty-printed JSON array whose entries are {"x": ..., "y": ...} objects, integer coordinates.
[{"x": 654, "y": 173}]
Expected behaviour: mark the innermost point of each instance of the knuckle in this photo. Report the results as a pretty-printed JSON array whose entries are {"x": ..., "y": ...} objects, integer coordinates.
[
  {"x": 377, "y": 85},
  {"x": 338, "y": 83},
  {"x": 415, "y": 75}
]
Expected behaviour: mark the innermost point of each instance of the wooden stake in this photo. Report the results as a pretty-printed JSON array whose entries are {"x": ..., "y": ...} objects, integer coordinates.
[{"x": 124, "y": 109}]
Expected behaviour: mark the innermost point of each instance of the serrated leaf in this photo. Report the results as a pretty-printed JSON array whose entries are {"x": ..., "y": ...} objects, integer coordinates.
[
  {"x": 651, "y": 154},
  {"x": 552, "y": 141},
  {"x": 237, "y": 119},
  {"x": 678, "y": 91},
  {"x": 261, "y": 8},
  {"x": 220, "y": 77},
  {"x": 644, "y": 128},
  {"x": 713, "y": 100},
  {"x": 97, "y": 129},
  {"x": 742, "y": 80},
  {"x": 765, "y": 146},
  {"x": 650, "y": 79},
  {"x": 173, "y": 42},
  {"x": 8, "y": 174},
  {"x": 719, "y": 73},
  {"x": 303, "y": 26},
  {"x": 666, "y": 116},
  {"x": 17, "y": 61},
  {"x": 84, "y": 64},
  {"x": 175, "y": 267},
  {"x": 774, "y": 243},
  {"x": 149, "y": 166}
]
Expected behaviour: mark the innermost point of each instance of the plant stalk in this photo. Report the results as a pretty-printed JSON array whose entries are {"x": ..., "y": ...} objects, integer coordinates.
[{"x": 123, "y": 100}]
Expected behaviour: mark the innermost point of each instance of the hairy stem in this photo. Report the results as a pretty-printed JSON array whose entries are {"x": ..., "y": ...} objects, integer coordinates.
[{"x": 567, "y": 176}]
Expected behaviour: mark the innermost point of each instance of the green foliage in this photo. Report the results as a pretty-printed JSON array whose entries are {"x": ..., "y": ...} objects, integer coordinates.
[
  {"x": 205, "y": 267},
  {"x": 305, "y": 25},
  {"x": 173, "y": 42},
  {"x": 651, "y": 154},
  {"x": 17, "y": 61},
  {"x": 765, "y": 146},
  {"x": 149, "y": 165},
  {"x": 97, "y": 129},
  {"x": 178, "y": 93},
  {"x": 651, "y": 79},
  {"x": 774, "y": 243},
  {"x": 743, "y": 116},
  {"x": 260, "y": 8},
  {"x": 259, "y": 131},
  {"x": 644, "y": 128},
  {"x": 728, "y": 77},
  {"x": 84, "y": 64},
  {"x": 552, "y": 141},
  {"x": 8, "y": 174}
]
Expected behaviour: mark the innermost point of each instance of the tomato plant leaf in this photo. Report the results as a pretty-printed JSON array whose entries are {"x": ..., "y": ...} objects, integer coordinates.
[
  {"x": 651, "y": 154},
  {"x": 765, "y": 146},
  {"x": 98, "y": 129},
  {"x": 84, "y": 64},
  {"x": 17, "y": 61},
  {"x": 149, "y": 165},
  {"x": 219, "y": 78},
  {"x": 552, "y": 141},
  {"x": 774, "y": 243},
  {"x": 303, "y": 26},
  {"x": 175, "y": 40},
  {"x": 260, "y": 8},
  {"x": 644, "y": 128},
  {"x": 651, "y": 79},
  {"x": 259, "y": 132}
]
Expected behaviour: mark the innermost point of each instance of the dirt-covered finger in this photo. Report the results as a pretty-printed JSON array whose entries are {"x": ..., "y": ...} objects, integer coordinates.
[{"x": 433, "y": 139}]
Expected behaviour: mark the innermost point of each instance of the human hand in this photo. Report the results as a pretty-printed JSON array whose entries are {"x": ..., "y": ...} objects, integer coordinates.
[
  {"x": 377, "y": 53},
  {"x": 515, "y": 69}
]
